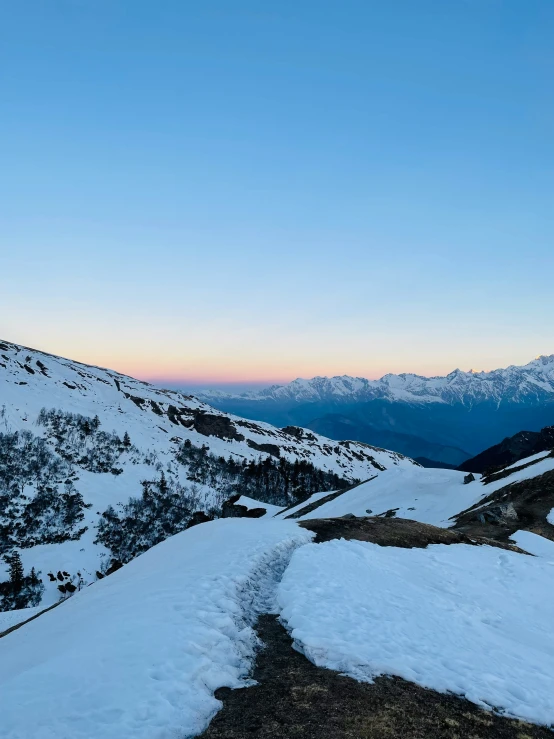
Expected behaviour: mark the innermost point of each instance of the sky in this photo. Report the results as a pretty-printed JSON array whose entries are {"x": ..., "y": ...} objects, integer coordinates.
[{"x": 245, "y": 192}]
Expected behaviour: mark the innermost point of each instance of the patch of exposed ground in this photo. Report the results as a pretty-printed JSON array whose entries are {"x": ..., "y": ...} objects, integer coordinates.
[
  {"x": 521, "y": 505},
  {"x": 296, "y": 700},
  {"x": 392, "y": 532}
]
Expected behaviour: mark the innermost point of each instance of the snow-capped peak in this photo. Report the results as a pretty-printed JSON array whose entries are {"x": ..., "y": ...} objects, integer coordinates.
[{"x": 533, "y": 382}]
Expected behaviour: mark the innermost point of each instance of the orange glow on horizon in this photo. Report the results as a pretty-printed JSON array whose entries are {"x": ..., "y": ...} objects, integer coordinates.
[
  {"x": 244, "y": 376},
  {"x": 160, "y": 362}
]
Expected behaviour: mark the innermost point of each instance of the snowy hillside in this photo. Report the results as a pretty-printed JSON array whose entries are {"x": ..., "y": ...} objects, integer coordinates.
[
  {"x": 533, "y": 381},
  {"x": 31, "y": 380},
  {"x": 139, "y": 654},
  {"x": 433, "y": 496},
  {"x": 426, "y": 495},
  {"x": 95, "y": 467}
]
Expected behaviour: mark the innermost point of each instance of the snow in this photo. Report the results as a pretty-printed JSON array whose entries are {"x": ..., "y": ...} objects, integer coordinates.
[
  {"x": 535, "y": 544},
  {"x": 81, "y": 555},
  {"x": 140, "y": 653},
  {"x": 550, "y": 517},
  {"x": 534, "y": 470},
  {"x": 475, "y": 621},
  {"x": 534, "y": 380},
  {"x": 426, "y": 495},
  {"x": 271, "y": 510},
  {"x": 79, "y": 388},
  {"x": 11, "y": 618},
  {"x": 431, "y": 496},
  {"x": 528, "y": 460}
]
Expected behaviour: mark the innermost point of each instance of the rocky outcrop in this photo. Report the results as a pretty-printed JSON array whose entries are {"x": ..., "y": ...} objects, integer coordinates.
[
  {"x": 231, "y": 509},
  {"x": 210, "y": 424},
  {"x": 520, "y": 505},
  {"x": 272, "y": 449}
]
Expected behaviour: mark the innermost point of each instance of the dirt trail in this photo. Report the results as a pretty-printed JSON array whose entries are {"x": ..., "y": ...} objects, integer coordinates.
[{"x": 294, "y": 699}]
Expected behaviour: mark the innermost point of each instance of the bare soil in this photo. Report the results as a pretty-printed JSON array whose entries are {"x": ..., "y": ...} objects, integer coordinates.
[
  {"x": 296, "y": 700},
  {"x": 393, "y": 532}
]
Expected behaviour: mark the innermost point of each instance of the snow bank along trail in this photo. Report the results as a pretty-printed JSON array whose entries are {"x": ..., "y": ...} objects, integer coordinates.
[
  {"x": 140, "y": 653},
  {"x": 475, "y": 621}
]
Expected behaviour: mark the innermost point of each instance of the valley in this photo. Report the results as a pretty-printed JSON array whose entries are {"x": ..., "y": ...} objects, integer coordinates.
[{"x": 214, "y": 576}]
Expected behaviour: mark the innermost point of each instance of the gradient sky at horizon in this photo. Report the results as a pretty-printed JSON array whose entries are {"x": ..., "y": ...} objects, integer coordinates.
[{"x": 205, "y": 193}]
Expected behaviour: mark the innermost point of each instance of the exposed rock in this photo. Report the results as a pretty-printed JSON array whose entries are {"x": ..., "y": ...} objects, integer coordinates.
[
  {"x": 210, "y": 424},
  {"x": 114, "y": 567},
  {"x": 230, "y": 509},
  {"x": 199, "y": 517},
  {"x": 492, "y": 476},
  {"x": 272, "y": 449},
  {"x": 520, "y": 505},
  {"x": 391, "y": 513},
  {"x": 136, "y": 400},
  {"x": 298, "y": 433},
  {"x": 42, "y": 367},
  {"x": 156, "y": 408}
]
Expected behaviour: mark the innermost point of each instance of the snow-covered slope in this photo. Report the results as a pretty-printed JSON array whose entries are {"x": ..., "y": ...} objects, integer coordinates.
[
  {"x": 140, "y": 654},
  {"x": 431, "y": 496},
  {"x": 531, "y": 382},
  {"x": 535, "y": 544},
  {"x": 31, "y": 380},
  {"x": 425, "y": 495},
  {"x": 104, "y": 433}
]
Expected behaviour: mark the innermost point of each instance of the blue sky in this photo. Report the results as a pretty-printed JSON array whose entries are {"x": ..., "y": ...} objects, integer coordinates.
[{"x": 244, "y": 191}]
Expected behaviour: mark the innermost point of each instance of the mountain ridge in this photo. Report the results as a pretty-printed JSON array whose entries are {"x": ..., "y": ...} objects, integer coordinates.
[
  {"x": 450, "y": 418},
  {"x": 510, "y": 450},
  {"x": 535, "y": 378}
]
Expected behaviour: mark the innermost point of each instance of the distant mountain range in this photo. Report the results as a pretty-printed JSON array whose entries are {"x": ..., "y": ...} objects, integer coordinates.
[{"x": 448, "y": 419}]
